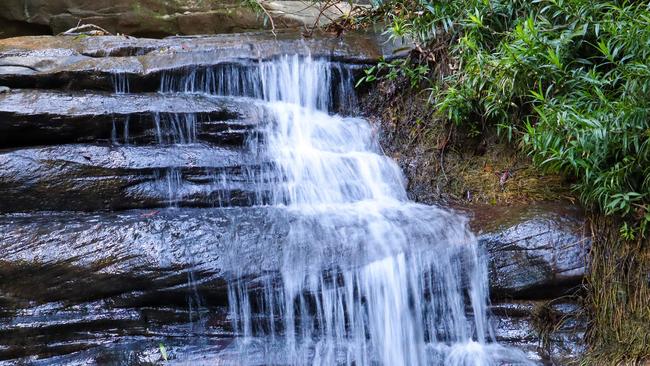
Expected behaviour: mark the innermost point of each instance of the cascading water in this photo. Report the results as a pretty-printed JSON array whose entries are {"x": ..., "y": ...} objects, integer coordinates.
[
  {"x": 367, "y": 277},
  {"x": 175, "y": 128}
]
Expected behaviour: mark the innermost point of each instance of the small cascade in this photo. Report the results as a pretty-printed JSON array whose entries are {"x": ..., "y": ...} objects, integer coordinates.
[
  {"x": 170, "y": 182},
  {"x": 230, "y": 206},
  {"x": 169, "y": 129},
  {"x": 118, "y": 138},
  {"x": 236, "y": 211},
  {"x": 175, "y": 128},
  {"x": 121, "y": 83},
  {"x": 121, "y": 86},
  {"x": 367, "y": 277},
  {"x": 332, "y": 82}
]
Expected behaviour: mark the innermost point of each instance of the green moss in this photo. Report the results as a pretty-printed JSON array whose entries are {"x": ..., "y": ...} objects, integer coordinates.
[{"x": 446, "y": 161}]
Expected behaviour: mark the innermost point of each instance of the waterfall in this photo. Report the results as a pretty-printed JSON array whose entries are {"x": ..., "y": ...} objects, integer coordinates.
[{"x": 367, "y": 277}]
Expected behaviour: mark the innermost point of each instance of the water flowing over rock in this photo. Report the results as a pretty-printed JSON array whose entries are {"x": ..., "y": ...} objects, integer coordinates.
[
  {"x": 537, "y": 258},
  {"x": 395, "y": 294},
  {"x": 232, "y": 207},
  {"x": 106, "y": 62}
]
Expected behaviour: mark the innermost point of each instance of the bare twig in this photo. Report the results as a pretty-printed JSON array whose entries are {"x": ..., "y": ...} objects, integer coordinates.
[
  {"x": 85, "y": 29},
  {"x": 321, "y": 13},
  {"x": 268, "y": 15}
]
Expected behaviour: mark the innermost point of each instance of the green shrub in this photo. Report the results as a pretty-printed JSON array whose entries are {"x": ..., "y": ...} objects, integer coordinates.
[{"x": 568, "y": 80}]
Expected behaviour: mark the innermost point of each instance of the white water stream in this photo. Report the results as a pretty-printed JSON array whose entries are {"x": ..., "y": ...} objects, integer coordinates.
[{"x": 367, "y": 277}]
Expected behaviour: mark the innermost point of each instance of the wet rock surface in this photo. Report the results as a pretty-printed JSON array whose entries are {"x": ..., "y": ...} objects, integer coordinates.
[
  {"x": 550, "y": 332},
  {"x": 84, "y": 136},
  {"x": 88, "y": 177},
  {"x": 39, "y": 117},
  {"x": 536, "y": 251},
  {"x": 111, "y": 264},
  {"x": 95, "y": 62},
  {"x": 537, "y": 258},
  {"x": 71, "y": 282}
]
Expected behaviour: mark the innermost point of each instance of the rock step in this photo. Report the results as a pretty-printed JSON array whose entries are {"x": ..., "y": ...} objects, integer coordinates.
[
  {"x": 91, "y": 177},
  {"x": 35, "y": 117},
  {"x": 133, "y": 251},
  {"x": 133, "y": 267},
  {"x": 103, "y": 333},
  {"x": 549, "y": 332},
  {"x": 103, "y": 62},
  {"x": 214, "y": 235},
  {"x": 360, "y": 47},
  {"x": 537, "y": 251},
  {"x": 235, "y": 241}
]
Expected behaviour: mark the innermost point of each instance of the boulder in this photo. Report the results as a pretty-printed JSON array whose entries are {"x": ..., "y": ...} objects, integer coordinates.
[
  {"x": 76, "y": 287},
  {"x": 157, "y": 18},
  {"x": 536, "y": 251},
  {"x": 548, "y": 332}
]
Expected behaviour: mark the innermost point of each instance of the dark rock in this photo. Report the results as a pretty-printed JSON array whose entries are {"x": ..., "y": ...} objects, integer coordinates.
[
  {"x": 31, "y": 117},
  {"x": 89, "y": 177},
  {"x": 12, "y": 28},
  {"x": 133, "y": 254},
  {"x": 55, "y": 256},
  {"x": 537, "y": 251},
  {"x": 72, "y": 277},
  {"x": 548, "y": 332},
  {"x": 72, "y": 281}
]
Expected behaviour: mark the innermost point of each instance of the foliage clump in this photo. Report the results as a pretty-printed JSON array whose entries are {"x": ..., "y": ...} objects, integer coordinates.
[{"x": 567, "y": 80}]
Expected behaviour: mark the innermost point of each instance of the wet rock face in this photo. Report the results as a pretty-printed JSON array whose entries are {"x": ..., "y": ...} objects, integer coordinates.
[
  {"x": 537, "y": 256},
  {"x": 100, "y": 126},
  {"x": 97, "y": 62},
  {"x": 550, "y": 332},
  {"x": 96, "y": 124},
  {"x": 542, "y": 255},
  {"x": 69, "y": 280},
  {"x": 111, "y": 151},
  {"x": 35, "y": 117},
  {"x": 110, "y": 270},
  {"x": 153, "y": 18},
  {"x": 88, "y": 178},
  {"x": 139, "y": 164}
]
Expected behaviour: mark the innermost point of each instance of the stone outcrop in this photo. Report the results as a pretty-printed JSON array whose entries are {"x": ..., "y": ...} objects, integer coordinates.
[
  {"x": 68, "y": 280},
  {"x": 537, "y": 258},
  {"x": 55, "y": 256},
  {"x": 157, "y": 18},
  {"x": 69, "y": 136},
  {"x": 542, "y": 254},
  {"x": 550, "y": 332},
  {"x": 87, "y": 178},
  {"x": 92, "y": 146}
]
